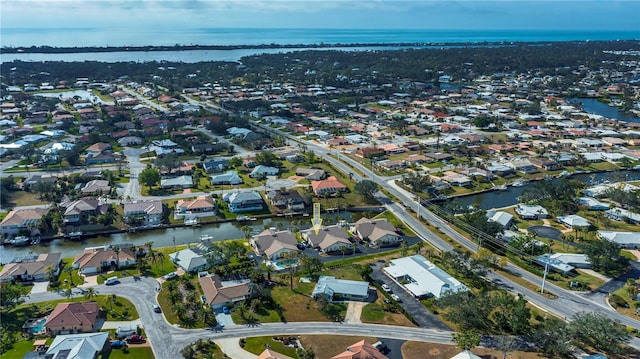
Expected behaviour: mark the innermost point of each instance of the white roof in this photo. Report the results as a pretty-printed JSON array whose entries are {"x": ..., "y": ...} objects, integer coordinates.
[
  {"x": 423, "y": 276},
  {"x": 465, "y": 355},
  {"x": 574, "y": 220},
  {"x": 187, "y": 259},
  {"x": 621, "y": 237},
  {"x": 80, "y": 346}
]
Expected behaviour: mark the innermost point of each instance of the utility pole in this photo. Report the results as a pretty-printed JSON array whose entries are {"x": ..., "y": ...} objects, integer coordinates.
[{"x": 546, "y": 269}]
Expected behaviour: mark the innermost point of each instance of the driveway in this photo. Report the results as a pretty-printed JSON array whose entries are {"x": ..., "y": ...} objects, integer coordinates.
[
  {"x": 224, "y": 320},
  {"x": 423, "y": 317},
  {"x": 39, "y": 287}
]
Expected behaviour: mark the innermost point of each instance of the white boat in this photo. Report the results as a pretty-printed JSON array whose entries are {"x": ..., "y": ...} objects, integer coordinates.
[
  {"x": 564, "y": 174},
  {"x": 20, "y": 241},
  {"x": 519, "y": 183},
  {"x": 500, "y": 188},
  {"x": 75, "y": 235},
  {"x": 192, "y": 221},
  {"x": 242, "y": 218},
  {"x": 206, "y": 237}
]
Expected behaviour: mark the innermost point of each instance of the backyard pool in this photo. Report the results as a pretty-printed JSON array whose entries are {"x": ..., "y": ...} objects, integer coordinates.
[{"x": 34, "y": 326}]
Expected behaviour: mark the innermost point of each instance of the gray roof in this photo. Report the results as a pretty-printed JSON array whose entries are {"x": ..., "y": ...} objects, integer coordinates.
[{"x": 330, "y": 285}]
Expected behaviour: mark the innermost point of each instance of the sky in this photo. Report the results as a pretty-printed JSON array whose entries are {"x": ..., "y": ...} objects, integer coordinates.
[{"x": 146, "y": 15}]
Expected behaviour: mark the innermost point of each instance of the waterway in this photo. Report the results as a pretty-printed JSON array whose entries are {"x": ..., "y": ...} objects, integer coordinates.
[
  {"x": 163, "y": 237},
  {"x": 499, "y": 199},
  {"x": 592, "y": 105}
]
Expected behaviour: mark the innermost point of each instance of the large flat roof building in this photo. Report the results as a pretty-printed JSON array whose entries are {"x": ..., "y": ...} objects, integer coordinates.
[{"x": 423, "y": 278}]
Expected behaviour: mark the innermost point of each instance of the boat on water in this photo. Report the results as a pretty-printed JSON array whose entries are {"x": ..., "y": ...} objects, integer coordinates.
[
  {"x": 74, "y": 235},
  {"x": 245, "y": 218},
  {"x": 519, "y": 183},
  {"x": 564, "y": 174},
  {"x": 500, "y": 188},
  {"x": 206, "y": 237},
  {"x": 192, "y": 221},
  {"x": 20, "y": 241}
]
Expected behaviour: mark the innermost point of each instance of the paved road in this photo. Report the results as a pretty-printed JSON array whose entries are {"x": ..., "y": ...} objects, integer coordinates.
[
  {"x": 131, "y": 189},
  {"x": 166, "y": 340}
]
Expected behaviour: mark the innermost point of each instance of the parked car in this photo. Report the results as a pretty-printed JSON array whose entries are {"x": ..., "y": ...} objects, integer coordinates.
[
  {"x": 170, "y": 275},
  {"x": 225, "y": 310},
  {"x": 117, "y": 344},
  {"x": 112, "y": 281},
  {"x": 301, "y": 246},
  {"x": 156, "y": 308},
  {"x": 396, "y": 298},
  {"x": 135, "y": 339},
  {"x": 386, "y": 288}
]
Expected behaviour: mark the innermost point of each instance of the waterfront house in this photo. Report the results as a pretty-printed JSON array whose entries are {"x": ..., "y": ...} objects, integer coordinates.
[
  {"x": 80, "y": 346},
  {"x": 330, "y": 186},
  {"x": 531, "y": 211},
  {"x": 229, "y": 177},
  {"x": 622, "y": 239},
  {"x": 339, "y": 289},
  {"x": 217, "y": 292},
  {"x": 522, "y": 165},
  {"x": 201, "y": 206},
  {"x": 78, "y": 212},
  {"x": 21, "y": 219},
  {"x": 379, "y": 232},
  {"x": 32, "y": 268},
  {"x": 504, "y": 219},
  {"x": 287, "y": 199},
  {"x": 262, "y": 171},
  {"x": 103, "y": 259},
  {"x": 329, "y": 239},
  {"x": 189, "y": 260},
  {"x": 273, "y": 244},
  {"x": 70, "y": 318},
  {"x": 244, "y": 201},
  {"x": 144, "y": 213},
  {"x": 544, "y": 163},
  {"x": 421, "y": 277}
]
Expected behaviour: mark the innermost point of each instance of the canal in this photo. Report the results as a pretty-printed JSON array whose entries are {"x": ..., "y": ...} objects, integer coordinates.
[
  {"x": 592, "y": 105},
  {"x": 499, "y": 199},
  {"x": 165, "y": 237}
]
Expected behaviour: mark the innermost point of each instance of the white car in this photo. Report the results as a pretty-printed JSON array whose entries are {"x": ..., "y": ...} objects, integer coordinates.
[
  {"x": 170, "y": 275},
  {"x": 386, "y": 288},
  {"x": 396, "y": 298}
]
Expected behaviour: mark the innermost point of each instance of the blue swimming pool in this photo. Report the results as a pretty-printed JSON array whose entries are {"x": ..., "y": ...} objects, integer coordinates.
[{"x": 38, "y": 326}]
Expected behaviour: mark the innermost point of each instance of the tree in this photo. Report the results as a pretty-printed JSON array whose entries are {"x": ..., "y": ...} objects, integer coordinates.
[
  {"x": 11, "y": 296},
  {"x": 366, "y": 189},
  {"x": 235, "y": 162},
  {"x": 466, "y": 340},
  {"x": 310, "y": 265},
  {"x": 90, "y": 293},
  {"x": 598, "y": 331},
  {"x": 604, "y": 256},
  {"x": 267, "y": 158},
  {"x": 511, "y": 314},
  {"x": 149, "y": 177}
]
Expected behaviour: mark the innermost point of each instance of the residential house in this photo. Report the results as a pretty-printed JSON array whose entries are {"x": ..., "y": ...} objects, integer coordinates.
[
  {"x": 621, "y": 214},
  {"x": 340, "y": 289},
  {"x": 421, "y": 277},
  {"x": 78, "y": 212},
  {"x": 564, "y": 262},
  {"x": 180, "y": 182},
  {"x": 504, "y": 219},
  {"x": 144, "y": 213},
  {"x": 21, "y": 219},
  {"x": 573, "y": 221},
  {"x": 189, "y": 260},
  {"x": 262, "y": 171},
  {"x": 329, "y": 239},
  {"x": 79, "y": 346},
  {"x": 216, "y": 165},
  {"x": 622, "y": 239},
  {"x": 273, "y": 244},
  {"x": 592, "y": 204},
  {"x": 70, "y": 318},
  {"x": 456, "y": 179},
  {"x": 379, "y": 232},
  {"x": 103, "y": 259},
  {"x": 208, "y": 148},
  {"x": 390, "y": 165},
  {"x": 361, "y": 350},
  {"x": 96, "y": 187},
  {"x": 287, "y": 199},
  {"x": 270, "y": 354},
  {"x": 330, "y": 186},
  {"x": 522, "y": 165},
  {"x": 544, "y": 163},
  {"x": 229, "y": 177},
  {"x": 201, "y": 206},
  {"x": 217, "y": 292},
  {"x": 531, "y": 211},
  {"x": 313, "y": 174},
  {"x": 32, "y": 268},
  {"x": 370, "y": 152},
  {"x": 244, "y": 201},
  {"x": 97, "y": 149},
  {"x": 100, "y": 158}
]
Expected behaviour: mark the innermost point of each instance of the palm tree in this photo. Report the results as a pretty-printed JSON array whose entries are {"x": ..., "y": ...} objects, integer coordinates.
[
  {"x": 90, "y": 293},
  {"x": 69, "y": 270},
  {"x": 247, "y": 231},
  {"x": 160, "y": 258}
]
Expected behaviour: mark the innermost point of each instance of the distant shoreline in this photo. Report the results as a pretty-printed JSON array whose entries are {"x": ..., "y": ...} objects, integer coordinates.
[{"x": 155, "y": 48}]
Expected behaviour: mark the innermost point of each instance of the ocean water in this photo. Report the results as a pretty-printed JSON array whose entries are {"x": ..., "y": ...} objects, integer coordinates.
[{"x": 82, "y": 37}]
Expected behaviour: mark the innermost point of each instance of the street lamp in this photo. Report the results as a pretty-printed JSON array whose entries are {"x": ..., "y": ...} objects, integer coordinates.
[{"x": 546, "y": 269}]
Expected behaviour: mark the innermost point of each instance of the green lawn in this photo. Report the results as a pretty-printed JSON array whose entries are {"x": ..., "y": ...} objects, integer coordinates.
[
  {"x": 256, "y": 345},
  {"x": 137, "y": 352},
  {"x": 19, "y": 350},
  {"x": 22, "y": 198}
]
